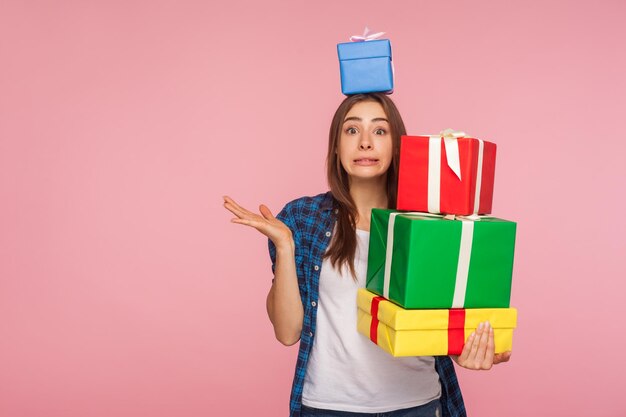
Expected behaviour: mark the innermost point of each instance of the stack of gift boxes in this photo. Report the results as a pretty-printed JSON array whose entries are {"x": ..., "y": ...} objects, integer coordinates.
[{"x": 438, "y": 265}]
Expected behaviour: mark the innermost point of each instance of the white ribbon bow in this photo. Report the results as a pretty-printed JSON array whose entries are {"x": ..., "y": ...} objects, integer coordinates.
[
  {"x": 367, "y": 36},
  {"x": 450, "y": 138}
]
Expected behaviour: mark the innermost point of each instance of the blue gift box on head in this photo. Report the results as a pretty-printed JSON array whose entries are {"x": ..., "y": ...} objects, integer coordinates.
[{"x": 365, "y": 66}]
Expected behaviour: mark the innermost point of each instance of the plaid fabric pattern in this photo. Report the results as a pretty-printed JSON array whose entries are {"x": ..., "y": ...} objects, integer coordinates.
[{"x": 311, "y": 220}]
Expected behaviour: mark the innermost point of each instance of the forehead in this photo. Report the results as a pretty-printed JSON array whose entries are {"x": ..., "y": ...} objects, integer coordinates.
[{"x": 367, "y": 110}]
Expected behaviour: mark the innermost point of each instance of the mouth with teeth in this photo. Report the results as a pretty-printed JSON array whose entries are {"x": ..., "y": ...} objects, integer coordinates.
[{"x": 366, "y": 161}]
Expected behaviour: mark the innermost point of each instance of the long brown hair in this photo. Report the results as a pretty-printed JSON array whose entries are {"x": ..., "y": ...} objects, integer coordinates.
[{"x": 342, "y": 249}]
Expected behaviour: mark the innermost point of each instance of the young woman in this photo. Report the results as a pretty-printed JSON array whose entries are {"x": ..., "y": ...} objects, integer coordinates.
[{"x": 318, "y": 246}]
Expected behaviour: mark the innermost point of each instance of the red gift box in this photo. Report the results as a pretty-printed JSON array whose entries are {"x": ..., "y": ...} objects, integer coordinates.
[{"x": 446, "y": 173}]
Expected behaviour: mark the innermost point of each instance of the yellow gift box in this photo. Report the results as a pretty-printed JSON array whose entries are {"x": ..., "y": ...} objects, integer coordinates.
[{"x": 403, "y": 332}]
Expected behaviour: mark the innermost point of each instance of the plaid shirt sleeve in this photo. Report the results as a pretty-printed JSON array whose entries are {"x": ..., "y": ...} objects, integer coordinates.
[
  {"x": 451, "y": 397},
  {"x": 285, "y": 216},
  {"x": 288, "y": 215}
]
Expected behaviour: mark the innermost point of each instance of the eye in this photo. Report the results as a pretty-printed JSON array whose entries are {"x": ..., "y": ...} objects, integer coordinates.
[
  {"x": 380, "y": 131},
  {"x": 351, "y": 131}
]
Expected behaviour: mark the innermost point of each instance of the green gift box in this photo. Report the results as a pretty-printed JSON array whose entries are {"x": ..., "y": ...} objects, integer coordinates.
[{"x": 422, "y": 260}]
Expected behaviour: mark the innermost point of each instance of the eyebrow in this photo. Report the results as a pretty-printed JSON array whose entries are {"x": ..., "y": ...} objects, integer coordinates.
[{"x": 358, "y": 119}]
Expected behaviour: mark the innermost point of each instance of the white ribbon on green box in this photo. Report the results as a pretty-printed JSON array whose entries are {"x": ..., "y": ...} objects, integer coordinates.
[
  {"x": 450, "y": 139},
  {"x": 465, "y": 251}
]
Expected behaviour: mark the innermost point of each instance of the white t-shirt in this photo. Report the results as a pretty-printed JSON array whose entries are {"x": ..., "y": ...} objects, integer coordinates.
[{"x": 346, "y": 371}]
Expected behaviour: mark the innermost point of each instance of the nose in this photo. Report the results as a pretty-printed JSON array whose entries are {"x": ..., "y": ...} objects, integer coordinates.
[{"x": 365, "y": 143}]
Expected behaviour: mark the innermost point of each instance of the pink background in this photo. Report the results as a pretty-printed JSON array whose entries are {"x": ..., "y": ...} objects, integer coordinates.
[{"x": 124, "y": 289}]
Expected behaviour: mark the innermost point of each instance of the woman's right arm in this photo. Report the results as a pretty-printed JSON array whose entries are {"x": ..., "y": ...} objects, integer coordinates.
[{"x": 284, "y": 305}]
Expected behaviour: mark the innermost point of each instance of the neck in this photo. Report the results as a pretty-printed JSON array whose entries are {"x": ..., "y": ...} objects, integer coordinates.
[{"x": 366, "y": 196}]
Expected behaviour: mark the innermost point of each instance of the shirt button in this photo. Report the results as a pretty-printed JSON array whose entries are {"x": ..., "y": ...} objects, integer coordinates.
[
  {"x": 313, "y": 303},
  {"x": 327, "y": 234},
  {"x": 311, "y": 334},
  {"x": 336, "y": 211},
  {"x": 316, "y": 268}
]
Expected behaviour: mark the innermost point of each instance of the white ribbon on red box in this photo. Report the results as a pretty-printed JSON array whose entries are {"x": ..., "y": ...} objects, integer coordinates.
[{"x": 450, "y": 138}]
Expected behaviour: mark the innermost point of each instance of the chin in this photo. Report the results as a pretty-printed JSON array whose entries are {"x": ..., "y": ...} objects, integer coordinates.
[{"x": 366, "y": 177}]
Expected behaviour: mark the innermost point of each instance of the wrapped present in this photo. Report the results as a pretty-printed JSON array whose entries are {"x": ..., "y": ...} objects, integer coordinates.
[
  {"x": 422, "y": 260},
  {"x": 403, "y": 332},
  {"x": 446, "y": 173},
  {"x": 365, "y": 64}
]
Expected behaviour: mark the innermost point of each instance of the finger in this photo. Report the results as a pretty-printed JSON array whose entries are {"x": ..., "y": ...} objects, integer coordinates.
[
  {"x": 466, "y": 348},
  {"x": 237, "y": 220},
  {"x": 238, "y": 211},
  {"x": 228, "y": 199},
  {"x": 501, "y": 357},
  {"x": 490, "y": 349},
  {"x": 266, "y": 212},
  {"x": 233, "y": 209},
  {"x": 481, "y": 353},
  {"x": 476, "y": 342},
  {"x": 231, "y": 203},
  {"x": 249, "y": 222}
]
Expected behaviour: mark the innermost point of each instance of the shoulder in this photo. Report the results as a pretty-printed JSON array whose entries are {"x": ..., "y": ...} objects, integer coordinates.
[
  {"x": 317, "y": 202},
  {"x": 305, "y": 212}
]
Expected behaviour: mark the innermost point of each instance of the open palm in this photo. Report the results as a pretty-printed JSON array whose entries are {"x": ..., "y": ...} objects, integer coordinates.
[{"x": 265, "y": 222}]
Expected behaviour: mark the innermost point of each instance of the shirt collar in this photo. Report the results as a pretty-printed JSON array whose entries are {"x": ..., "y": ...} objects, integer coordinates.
[{"x": 328, "y": 202}]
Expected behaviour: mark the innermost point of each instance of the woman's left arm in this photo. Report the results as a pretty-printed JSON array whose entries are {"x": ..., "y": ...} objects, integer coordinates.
[{"x": 478, "y": 352}]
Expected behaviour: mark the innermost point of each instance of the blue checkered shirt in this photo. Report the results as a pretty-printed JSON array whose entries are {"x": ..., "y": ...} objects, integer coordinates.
[{"x": 311, "y": 220}]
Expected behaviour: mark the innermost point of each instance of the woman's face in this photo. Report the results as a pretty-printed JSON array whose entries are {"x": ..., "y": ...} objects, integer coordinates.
[{"x": 365, "y": 145}]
